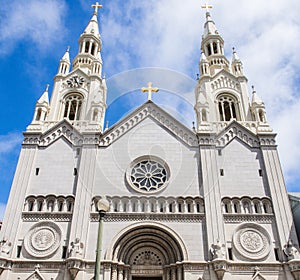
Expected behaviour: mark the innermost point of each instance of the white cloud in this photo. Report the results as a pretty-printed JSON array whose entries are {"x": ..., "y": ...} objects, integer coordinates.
[
  {"x": 2, "y": 210},
  {"x": 34, "y": 21},
  {"x": 267, "y": 37},
  {"x": 10, "y": 142}
]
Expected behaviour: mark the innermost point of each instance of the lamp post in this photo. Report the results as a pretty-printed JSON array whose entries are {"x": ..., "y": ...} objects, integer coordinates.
[{"x": 102, "y": 207}]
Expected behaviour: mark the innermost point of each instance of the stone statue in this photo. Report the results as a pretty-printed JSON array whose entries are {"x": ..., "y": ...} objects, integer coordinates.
[
  {"x": 291, "y": 251},
  {"x": 76, "y": 248},
  {"x": 5, "y": 247},
  {"x": 218, "y": 250}
]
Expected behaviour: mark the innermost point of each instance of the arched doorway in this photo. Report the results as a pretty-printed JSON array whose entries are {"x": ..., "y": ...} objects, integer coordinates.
[{"x": 146, "y": 251}]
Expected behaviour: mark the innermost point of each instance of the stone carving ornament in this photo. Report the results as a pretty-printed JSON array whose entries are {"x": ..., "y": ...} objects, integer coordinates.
[
  {"x": 252, "y": 241},
  {"x": 291, "y": 251},
  {"x": 43, "y": 239},
  {"x": 218, "y": 250}
]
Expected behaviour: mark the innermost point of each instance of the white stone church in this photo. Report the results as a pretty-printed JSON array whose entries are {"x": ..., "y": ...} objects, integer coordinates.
[{"x": 185, "y": 204}]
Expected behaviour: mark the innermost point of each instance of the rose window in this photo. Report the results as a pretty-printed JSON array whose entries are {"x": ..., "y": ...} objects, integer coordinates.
[{"x": 148, "y": 175}]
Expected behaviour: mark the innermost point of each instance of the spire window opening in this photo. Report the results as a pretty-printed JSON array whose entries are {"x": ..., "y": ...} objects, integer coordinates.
[
  {"x": 87, "y": 47},
  {"x": 215, "y": 47},
  {"x": 209, "y": 51},
  {"x": 73, "y": 105},
  {"x": 227, "y": 108},
  {"x": 93, "y": 49},
  {"x": 38, "y": 114},
  {"x": 261, "y": 115}
]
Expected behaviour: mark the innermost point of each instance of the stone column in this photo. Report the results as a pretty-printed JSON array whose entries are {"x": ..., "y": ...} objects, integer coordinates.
[
  {"x": 120, "y": 273},
  {"x": 114, "y": 272}
]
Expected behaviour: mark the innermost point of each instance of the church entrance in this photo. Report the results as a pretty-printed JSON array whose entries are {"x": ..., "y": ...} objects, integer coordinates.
[{"x": 148, "y": 251}]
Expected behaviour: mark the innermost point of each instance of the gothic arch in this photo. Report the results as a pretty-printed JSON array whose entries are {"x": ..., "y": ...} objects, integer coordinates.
[
  {"x": 164, "y": 245},
  {"x": 228, "y": 106}
]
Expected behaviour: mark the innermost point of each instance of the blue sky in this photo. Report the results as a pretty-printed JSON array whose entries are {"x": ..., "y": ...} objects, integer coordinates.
[{"x": 138, "y": 34}]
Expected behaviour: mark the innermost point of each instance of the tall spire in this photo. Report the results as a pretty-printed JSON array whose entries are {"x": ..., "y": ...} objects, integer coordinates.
[
  {"x": 212, "y": 45},
  {"x": 89, "y": 43}
]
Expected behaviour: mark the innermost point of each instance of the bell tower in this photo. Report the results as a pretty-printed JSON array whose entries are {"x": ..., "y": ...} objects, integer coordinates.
[
  {"x": 221, "y": 93},
  {"x": 79, "y": 94}
]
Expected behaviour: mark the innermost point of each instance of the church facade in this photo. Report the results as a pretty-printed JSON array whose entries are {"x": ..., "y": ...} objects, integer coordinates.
[{"x": 184, "y": 204}]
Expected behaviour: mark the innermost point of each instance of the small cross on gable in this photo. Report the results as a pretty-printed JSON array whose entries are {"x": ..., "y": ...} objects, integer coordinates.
[{"x": 150, "y": 90}]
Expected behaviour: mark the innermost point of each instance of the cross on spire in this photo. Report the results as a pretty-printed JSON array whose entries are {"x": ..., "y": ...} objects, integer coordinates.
[
  {"x": 207, "y": 7},
  {"x": 150, "y": 90},
  {"x": 96, "y": 7}
]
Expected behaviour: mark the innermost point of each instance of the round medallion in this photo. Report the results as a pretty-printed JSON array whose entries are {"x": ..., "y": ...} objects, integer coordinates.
[
  {"x": 148, "y": 174},
  {"x": 252, "y": 241},
  {"x": 43, "y": 239}
]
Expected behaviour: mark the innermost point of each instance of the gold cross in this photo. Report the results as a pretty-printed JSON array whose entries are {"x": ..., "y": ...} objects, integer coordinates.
[
  {"x": 96, "y": 7},
  {"x": 207, "y": 7},
  {"x": 149, "y": 89}
]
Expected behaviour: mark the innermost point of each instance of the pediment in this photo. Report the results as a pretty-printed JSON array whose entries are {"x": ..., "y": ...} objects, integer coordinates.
[
  {"x": 159, "y": 116},
  {"x": 235, "y": 130},
  {"x": 78, "y": 72},
  {"x": 225, "y": 80},
  {"x": 36, "y": 276},
  {"x": 62, "y": 129}
]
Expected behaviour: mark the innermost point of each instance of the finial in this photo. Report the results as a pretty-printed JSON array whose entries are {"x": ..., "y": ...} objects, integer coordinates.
[
  {"x": 253, "y": 89},
  {"x": 194, "y": 126},
  {"x": 207, "y": 7},
  {"x": 96, "y": 7},
  {"x": 68, "y": 48},
  {"x": 197, "y": 76},
  {"x": 233, "y": 49},
  {"x": 47, "y": 87},
  {"x": 150, "y": 90},
  {"x": 106, "y": 127}
]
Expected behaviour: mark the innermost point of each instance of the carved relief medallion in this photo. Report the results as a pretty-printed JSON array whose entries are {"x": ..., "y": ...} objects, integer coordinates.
[
  {"x": 252, "y": 241},
  {"x": 43, "y": 239}
]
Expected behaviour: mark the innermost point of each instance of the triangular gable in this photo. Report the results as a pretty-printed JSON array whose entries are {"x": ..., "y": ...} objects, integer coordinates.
[
  {"x": 36, "y": 276},
  {"x": 149, "y": 110},
  {"x": 224, "y": 79},
  {"x": 77, "y": 71},
  {"x": 236, "y": 130},
  {"x": 62, "y": 129}
]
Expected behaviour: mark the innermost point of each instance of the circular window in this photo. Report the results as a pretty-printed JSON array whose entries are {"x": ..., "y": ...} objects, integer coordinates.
[{"x": 148, "y": 174}]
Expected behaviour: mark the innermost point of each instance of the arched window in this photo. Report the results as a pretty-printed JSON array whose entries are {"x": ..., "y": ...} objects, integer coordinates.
[
  {"x": 215, "y": 46},
  {"x": 227, "y": 106},
  {"x": 261, "y": 115},
  {"x": 204, "y": 115},
  {"x": 209, "y": 50},
  {"x": 38, "y": 114},
  {"x": 95, "y": 115},
  {"x": 73, "y": 105},
  {"x": 87, "y": 46},
  {"x": 93, "y": 49}
]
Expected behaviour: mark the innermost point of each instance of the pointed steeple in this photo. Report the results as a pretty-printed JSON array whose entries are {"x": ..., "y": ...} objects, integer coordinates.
[
  {"x": 89, "y": 44},
  {"x": 236, "y": 64},
  {"x": 256, "y": 100},
  {"x": 92, "y": 27},
  {"x": 64, "y": 64},
  {"x": 209, "y": 26},
  {"x": 258, "y": 108},
  {"x": 44, "y": 99},
  {"x": 41, "y": 109},
  {"x": 212, "y": 46},
  {"x": 204, "y": 65}
]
